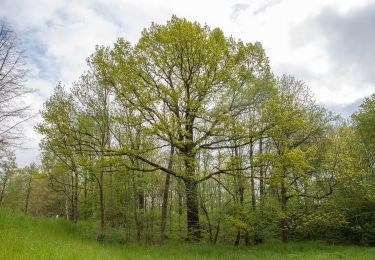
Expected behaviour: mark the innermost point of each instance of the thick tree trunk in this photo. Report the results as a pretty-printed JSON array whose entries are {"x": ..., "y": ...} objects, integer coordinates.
[{"x": 193, "y": 226}]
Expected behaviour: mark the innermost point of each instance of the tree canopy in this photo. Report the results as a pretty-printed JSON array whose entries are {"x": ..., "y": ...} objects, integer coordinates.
[{"x": 189, "y": 132}]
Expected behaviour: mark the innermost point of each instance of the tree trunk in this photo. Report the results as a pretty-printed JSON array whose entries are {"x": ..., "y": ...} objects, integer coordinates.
[
  {"x": 238, "y": 237},
  {"x": 101, "y": 201},
  {"x": 284, "y": 220},
  {"x": 141, "y": 208},
  {"x": 110, "y": 191},
  {"x": 3, "y": 189},
  {"x": 208, "y": 222},
  {"x": 261, "y": 170},
  {"x": 71, "y": 198},
  {"x": 75, "y": 198},
  {"x": 252, "y": 191},
  {"x": 193, "y": 227},
  {"x": 164, "y": 208},
  {"x": 28, "y": 191},
  {"x": 138, "y": 207},
  {"x": 217, "y": 232},
  {"x": 66, "y": 207},
  {"x": 179, "y": 194},
  {"x": 85, "y": 188},
  {"x": 252, "y": 181},
  {"x": 165, "y": 199}
]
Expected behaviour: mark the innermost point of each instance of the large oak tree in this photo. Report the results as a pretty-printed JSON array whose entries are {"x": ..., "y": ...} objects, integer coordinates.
[{"x": 187, "y": 83}]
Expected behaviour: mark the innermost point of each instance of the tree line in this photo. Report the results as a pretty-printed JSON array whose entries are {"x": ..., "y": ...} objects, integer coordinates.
[{"x": 188, "y": 135}]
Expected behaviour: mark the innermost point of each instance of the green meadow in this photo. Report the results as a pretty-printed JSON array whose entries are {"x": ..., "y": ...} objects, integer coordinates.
[{"x": 26, "y": 237}]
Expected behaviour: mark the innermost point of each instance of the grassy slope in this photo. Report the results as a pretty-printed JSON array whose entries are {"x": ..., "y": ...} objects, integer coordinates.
[{"x": 23, "y": 237}]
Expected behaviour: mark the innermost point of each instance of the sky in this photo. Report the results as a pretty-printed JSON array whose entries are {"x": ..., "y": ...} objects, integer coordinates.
[{"x": 328, "y": 44}]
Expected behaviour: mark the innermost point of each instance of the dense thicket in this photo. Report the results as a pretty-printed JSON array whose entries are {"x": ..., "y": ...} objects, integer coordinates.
[{"x": 188, "y": 135}]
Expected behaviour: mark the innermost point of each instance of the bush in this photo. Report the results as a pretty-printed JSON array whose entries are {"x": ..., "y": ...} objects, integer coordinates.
[{"x": 369, "y": 234}]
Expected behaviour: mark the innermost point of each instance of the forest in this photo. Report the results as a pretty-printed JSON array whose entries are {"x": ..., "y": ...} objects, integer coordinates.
[{"x": 187, "y": 135}]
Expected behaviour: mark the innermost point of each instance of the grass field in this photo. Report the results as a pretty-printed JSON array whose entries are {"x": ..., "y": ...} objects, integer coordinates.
[{"x": 24, "y": 237}]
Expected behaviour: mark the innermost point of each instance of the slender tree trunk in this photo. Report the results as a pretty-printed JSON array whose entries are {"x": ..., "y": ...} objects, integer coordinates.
[
  {"x": 239, "y": 191},
  {"x": 75, "y": 197},
  {"x": 252, "y": 181},
  {"x": 3, "y": 189},
  {"x": 111, "y": 191},
  {"x": 72, "y": 204},
  {"x": 170, "y": 207},
  {"x": 261, "y": 170},
  {"x": 85, "y": 188},
  {"x": 217, "y": 232},
  {"x": 153, "y": 198},
  {"x": 141, "y": 208},
  {"x": 94, "y": 200},
  {"x": 66, "y": 207},
  {"x": 258, "y": 237},
  {"x": 28, "y": 191},
  {"x": 252, "y": 189},
  {"x": 164, "y": 207},
  {"x": 284, "y": 220},
  {"x": 179, "y": 184},
  {"x": 101, "y": 201},
  {"x": 138, "y": 207},
  {"x": 208, "y": 222}
]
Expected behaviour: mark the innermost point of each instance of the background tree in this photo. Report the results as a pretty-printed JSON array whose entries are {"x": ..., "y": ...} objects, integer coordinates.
[
  {"x": 12, "y": 90},
  {"x": 187, "y": 83},
  {"x": 187, "y": 134},
  {"x": 364, "y": 121},
  {"x": 7, "y": 170}
]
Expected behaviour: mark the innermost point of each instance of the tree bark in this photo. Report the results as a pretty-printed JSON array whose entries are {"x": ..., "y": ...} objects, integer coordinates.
[
  {"x": 193, "y": 226},
  {"x": 217, "y": 232},
  {"x": 66, "y": 207},
  {"x": 101, "y": 201},
  {"x": 164, "y": 208},
  {"x": 165, "y": 199},
  {"x": 284, "y": 220},
  {"x": 261, "y": 170},
  {"x": 208, "y": 222},
  {"x": 28, "y": 191},
  {"x": 75, "y": 197},
  {"x": 3, "y": 189}
]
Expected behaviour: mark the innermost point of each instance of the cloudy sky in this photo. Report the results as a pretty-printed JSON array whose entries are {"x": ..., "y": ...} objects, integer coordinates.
[{"x": 329, "y": 44}]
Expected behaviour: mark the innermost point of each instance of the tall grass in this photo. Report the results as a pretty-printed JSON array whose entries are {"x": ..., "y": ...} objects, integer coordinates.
[{"x": 25, "y": 237}]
